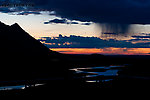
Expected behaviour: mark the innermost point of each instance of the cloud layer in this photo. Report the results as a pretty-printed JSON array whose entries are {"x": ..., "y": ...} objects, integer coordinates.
[
  {"x": 65, "y": 21},
  {"x": 92, "y": 42},
  {"x": 116, "y": 15},
  {"x": 102, "y": 11}
]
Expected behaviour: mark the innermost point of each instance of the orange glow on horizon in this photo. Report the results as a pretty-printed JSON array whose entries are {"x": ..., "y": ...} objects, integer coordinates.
[{"x": 105, "y": 51}]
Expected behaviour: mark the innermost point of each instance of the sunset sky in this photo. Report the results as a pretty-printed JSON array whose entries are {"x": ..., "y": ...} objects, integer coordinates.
[{"x": 123, "y": 37}]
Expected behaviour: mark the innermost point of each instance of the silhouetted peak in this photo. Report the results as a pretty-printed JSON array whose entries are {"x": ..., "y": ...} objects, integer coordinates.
[
  {"x": 15, "y": 25},
  {"x": 2, "y": 24},
  {"x": 16, "y": 28}
]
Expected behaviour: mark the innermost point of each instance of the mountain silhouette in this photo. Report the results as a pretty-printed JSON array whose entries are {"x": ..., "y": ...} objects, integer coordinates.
[
  {"x": 16, "y": 40},
  {"x": 24, "y": 57}
]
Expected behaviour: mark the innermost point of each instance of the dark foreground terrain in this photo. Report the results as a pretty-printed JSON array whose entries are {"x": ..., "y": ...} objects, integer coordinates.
[{"x": 135, "y": 75}]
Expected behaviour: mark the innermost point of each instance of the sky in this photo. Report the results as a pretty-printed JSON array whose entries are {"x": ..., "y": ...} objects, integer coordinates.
[
  {"x": 112, "y": 27},
  {"x": 34, "y": 24}
]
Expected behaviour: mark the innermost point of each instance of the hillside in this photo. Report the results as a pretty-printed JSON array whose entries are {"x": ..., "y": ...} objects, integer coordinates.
[{"x": 22, "y": 56}]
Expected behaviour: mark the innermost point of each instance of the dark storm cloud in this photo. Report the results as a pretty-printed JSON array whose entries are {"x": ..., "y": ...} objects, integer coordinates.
[
  {"x": 138, "y": 39},
  {"x": 19, "y": 11},
  {"x": 141, "y": 36},
  {"x": 86, "y": 23},
  {"x": 107, "y": 11},
  {"x": 89, "y": 42},
  {"x": 72, "y": 23},
  {"x": 65, "y": 21},
  {"x": 5, "y": 10},
  {"x": 23, "y": 8},
  {"x": 114, "y": 28},
  {"x": 60, "y": 21},
  {"x": 57, "y": 21},
  {"x": 115, "y": 14},
  {"x": 29, "y": 12}
]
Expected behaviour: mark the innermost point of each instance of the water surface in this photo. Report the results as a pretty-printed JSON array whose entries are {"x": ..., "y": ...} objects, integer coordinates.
[{"x": 97, "y": 74}]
